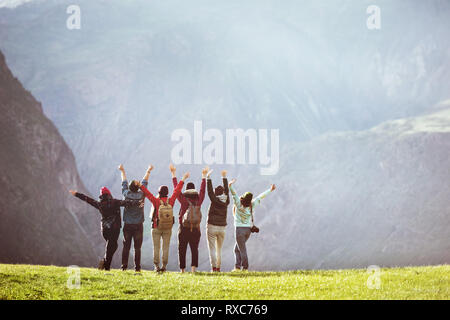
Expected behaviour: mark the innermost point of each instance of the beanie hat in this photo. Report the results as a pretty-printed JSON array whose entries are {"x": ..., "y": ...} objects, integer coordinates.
[
  {"x": 163, "y": 191},
  {"x": 190, "y": 185},
  {"x": 104, "y": 190}
]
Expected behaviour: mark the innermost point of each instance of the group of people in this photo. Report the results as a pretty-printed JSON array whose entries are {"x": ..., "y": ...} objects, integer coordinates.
[{"x": 162, "y": 216}]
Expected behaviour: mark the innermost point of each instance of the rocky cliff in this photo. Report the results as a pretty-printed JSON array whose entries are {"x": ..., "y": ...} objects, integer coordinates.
[{"x": 41, "y": 222}]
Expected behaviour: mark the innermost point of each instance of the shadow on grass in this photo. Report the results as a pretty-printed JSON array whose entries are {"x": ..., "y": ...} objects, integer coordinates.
[{"x": 245, "y": 274}]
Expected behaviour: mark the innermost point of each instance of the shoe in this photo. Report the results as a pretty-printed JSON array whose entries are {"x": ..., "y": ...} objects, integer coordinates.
[
  {"x": 157, "y": 269},
  {"x": 214, "y": 269},
  {"x": 101, "y": 264},
  {"x": 245, "y": 269},
  {"x": 236, "y": 270},
  {"x": 137, "y": 270},
  {"x": 217, "y": 269},
  {"x": 162, "y": 270}
]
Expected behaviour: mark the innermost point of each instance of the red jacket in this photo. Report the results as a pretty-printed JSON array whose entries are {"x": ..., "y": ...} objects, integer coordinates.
[
  {"x": 183, "y": 201},
  {"x": 156, "y": 200}
]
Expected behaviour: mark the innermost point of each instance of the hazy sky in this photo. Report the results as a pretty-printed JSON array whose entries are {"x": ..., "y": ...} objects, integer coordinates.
[{"x": 12, "y": 3}]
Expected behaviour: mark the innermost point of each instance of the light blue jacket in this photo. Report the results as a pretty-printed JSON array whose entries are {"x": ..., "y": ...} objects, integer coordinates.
[{"x": 242, "y": 215}]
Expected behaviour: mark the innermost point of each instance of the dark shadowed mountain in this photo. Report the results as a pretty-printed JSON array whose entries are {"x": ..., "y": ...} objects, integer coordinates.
[{"x": 41, "y": 223}]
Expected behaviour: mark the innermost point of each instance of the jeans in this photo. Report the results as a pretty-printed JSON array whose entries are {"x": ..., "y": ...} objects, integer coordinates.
[
  {"x": 240, "y": 250},
  {"x": 157, "y": 235},
  {"x": 110, "y": 236},
  {"x": 133, "y": 232},
  {"x": 216, "y": 236},
  {"x": 187, "y": 237}
]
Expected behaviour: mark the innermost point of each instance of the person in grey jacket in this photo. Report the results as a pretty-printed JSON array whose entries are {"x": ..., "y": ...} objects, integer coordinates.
[
  {"x": 133, "y": 219},
  {"x": 217, "y": 219}
]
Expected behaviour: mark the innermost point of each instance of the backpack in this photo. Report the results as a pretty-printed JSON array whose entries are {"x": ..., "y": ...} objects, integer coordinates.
[
  {"x": 165, "y": 216},
  {"x": 192, "y": 217}
]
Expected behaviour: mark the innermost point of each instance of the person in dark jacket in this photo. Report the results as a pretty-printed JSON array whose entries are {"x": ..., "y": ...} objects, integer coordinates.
[
  {"x": 217, "y": 219},
  {"x": 109, "y": 208},
  {"x": 188, "y": 235}
]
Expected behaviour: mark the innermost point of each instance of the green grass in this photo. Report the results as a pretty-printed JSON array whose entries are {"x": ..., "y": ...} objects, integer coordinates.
[{"x": 49, "y": 282}]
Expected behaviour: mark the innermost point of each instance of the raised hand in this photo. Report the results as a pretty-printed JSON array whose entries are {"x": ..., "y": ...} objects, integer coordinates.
[
  {"x": 185, "y": 176},
  {"x": 231, "y": 182},
  {"x": 121, "y": 168},
  {"x": 208, "y": 175},
  {"x": 224, "y": 173},
  {"x": 150, "y": 168},
  {"x": 73, "y": 192},
  {"x": 172, "y": 168},
  {"x": 272, "y": 187},
  {"x": 205, "y": 171}
]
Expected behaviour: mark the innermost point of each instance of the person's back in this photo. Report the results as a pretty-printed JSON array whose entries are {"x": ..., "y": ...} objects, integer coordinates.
[
  {"x": 217, "y": 220},
  {"x": 217, "y": 211},
  {"x": 243, "y": 211},
  {"x": 133, "y": 215},
  {"x": 133, "y": 218}
]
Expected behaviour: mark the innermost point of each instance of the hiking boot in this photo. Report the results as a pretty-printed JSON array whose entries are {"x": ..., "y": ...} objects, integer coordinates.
[{"x": 101, "y": 264}]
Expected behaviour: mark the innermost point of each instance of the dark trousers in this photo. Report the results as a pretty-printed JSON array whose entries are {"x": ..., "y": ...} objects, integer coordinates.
[
  {"x": 240, "y": 249},
  {"x": 133, "y": 232},
  {"x": 192, "y": 238},
  {"x": 111, "y": 236}
]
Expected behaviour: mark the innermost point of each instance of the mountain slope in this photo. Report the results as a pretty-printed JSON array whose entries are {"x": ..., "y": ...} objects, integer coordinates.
[
  {"x": 40, "y": 221},
  {"x": 353, "y": 199}
]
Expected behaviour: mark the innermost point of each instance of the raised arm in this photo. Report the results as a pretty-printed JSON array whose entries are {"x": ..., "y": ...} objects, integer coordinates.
[
  {"x": 178, "y": 189},
  {"x": 173, "y": 171},
  {"x": 124, "y": 179},
  {"x": 147, "y": 175},
  {"x": 85, "y": 198},
  {"x": 236, "y": 199},
  {"x": 122, "y": 172},
  {"x": 225, "y": 185},
  {"x": 258, "y": 199},
  {"x": 201, "y": 195},
  {"x": 149, "y": 195},
  {"x": 209, "y": 188}
]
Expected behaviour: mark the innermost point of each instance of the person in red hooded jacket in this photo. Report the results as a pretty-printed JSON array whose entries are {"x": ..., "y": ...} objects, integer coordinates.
[
  {"x": 161, "y": 230},
  {"x": 109, "y": 208}
]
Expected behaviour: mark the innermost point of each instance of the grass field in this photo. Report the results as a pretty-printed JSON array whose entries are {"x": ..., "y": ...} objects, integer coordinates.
[{"x": 49, "y": 282}]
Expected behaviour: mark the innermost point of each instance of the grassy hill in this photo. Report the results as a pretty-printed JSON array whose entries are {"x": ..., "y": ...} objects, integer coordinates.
[{"x": 49, "y": 282}]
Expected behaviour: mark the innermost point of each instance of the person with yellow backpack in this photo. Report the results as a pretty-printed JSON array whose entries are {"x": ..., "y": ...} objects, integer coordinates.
[{"x": 162, "y": 221}]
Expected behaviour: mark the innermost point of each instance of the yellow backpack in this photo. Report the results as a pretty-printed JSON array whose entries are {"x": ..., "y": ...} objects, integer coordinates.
[{"x": 165, "y": 216}]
